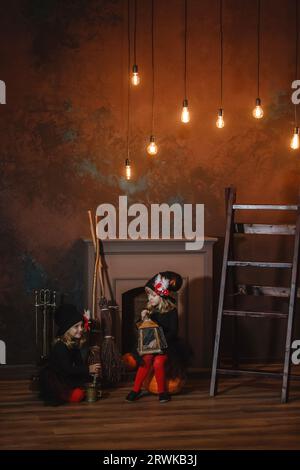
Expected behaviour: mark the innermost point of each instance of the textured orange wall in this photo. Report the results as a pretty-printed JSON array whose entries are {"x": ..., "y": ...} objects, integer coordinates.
[{"x": 63, "y": 129}]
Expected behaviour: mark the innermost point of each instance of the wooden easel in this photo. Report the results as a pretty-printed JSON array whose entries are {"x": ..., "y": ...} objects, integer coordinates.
[{"x": 231, "y": 229}]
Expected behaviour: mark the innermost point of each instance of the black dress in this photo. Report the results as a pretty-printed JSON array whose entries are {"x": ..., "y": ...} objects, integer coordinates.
[
  {"x": 169, "y": 323},
  {"x": 64, "y": 371}
]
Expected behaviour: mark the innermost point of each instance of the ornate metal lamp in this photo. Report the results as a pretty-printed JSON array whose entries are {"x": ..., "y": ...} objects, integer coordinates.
[{"x": 151, "y": 338}]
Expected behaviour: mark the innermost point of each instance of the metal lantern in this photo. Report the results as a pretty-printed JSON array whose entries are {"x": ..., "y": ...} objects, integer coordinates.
[{"x": 151, "y": 338}]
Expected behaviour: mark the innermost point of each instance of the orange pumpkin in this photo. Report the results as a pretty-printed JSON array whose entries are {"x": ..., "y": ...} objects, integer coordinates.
[
  {"x": 129, "y": 361},
  {"x": 173, "y": 385}
]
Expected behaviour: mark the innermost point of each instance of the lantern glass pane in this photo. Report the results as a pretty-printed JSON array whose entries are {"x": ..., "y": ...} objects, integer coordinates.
[{"x": 151, "y": 340}]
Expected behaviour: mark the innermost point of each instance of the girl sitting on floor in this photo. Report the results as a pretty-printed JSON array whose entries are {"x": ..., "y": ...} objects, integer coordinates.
[{"x": 62, "y": 379}]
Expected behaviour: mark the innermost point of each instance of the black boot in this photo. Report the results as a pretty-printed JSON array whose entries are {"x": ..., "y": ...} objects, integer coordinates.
[
  {"x": 164, "y": 397},
  {"x": 133, "y": 396}
]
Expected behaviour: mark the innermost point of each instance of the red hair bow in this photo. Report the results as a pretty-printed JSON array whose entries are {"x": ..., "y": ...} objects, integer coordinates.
[{"x": 86, "y": 323}]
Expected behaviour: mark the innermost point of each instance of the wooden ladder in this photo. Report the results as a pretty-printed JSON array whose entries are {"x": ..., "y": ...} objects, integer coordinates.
[{"x": 232, "y": 228}]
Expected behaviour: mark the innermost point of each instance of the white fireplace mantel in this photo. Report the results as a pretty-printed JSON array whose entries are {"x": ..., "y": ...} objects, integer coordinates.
[{"x": 130, "y": 263}]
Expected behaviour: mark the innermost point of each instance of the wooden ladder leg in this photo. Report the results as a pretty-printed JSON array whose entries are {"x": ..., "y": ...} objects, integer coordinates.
[
  {"x": 292, "y": 304},
  {"x": 235, "y": 320},
  {"x": 230, "y": 199}
]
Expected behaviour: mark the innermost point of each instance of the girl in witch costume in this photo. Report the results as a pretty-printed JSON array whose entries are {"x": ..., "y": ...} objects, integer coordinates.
[
  {"x": 172, "y": 360},
  {"x": 62, "y": 379}
]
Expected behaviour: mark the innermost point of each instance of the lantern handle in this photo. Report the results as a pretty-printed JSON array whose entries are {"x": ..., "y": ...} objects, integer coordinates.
[{"x": 145, "y": 315}]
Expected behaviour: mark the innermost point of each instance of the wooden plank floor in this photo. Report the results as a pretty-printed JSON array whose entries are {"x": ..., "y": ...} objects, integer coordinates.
[{"x": 247, "y": 414}]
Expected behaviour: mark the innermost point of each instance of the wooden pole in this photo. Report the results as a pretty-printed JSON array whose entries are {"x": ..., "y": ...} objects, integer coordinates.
[{"x": 95, "y": 243}]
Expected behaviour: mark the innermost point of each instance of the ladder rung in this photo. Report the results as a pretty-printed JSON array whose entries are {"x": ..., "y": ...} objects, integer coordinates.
[
  {"x": 271, "y": 207},
  {"x": 264, "y": 229},
  {"x": 247, "y": 313},
  {"x": 259, "y": 264},
  {"x": 249, "y": 372},
  {"x": 248, "y": 289},
  {"x": 264, "y": 373}
]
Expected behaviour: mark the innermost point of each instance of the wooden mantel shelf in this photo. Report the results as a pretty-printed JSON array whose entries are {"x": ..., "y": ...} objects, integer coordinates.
[{"x": 150, "y": 245}]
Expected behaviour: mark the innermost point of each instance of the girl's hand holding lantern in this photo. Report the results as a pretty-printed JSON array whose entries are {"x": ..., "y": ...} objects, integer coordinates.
[
  {"x": 144, "y": 314},
  {"x": 95, "y": 369}
]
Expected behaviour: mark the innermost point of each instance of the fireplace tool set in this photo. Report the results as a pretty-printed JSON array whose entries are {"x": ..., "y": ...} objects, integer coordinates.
[{"x": 45, "y": 305}]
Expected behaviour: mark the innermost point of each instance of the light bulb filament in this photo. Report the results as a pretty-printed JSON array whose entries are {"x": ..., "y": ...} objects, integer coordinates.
[
  {"x": 152, "y": 147},
  {"x": 127, "y": 170},
  {"x": 295, "y": 144},
  {"x": 258, "y": 111},
  {"x": 185, "y": 114},
  {"x": 220, "y": 121},
  {"x": 135, "y": 78}
]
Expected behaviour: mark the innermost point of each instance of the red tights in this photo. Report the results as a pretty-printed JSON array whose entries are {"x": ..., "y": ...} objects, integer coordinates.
[
  {"x": 76, "y": 395},
  {"x": 158, "y": 361}
]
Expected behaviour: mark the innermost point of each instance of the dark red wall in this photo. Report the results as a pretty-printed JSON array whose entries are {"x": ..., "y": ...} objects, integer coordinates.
[{"x": 63, "y": 129}]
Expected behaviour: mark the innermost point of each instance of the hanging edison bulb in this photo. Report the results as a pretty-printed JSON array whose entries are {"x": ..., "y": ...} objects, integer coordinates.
[
  {"x": 127, "y": 169},
  {"x": 295, "y": 144},
  {"x": 185, "y": 114},
  {"x": 258, "y": 111},
  {"x": 220, "y": 121},
  {"x": 135, "y": 78},
  {"x": 152, "y": 147}
]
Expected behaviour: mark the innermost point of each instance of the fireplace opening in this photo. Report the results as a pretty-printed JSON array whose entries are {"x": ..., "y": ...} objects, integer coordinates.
[{"x": 133, "y": 302}]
